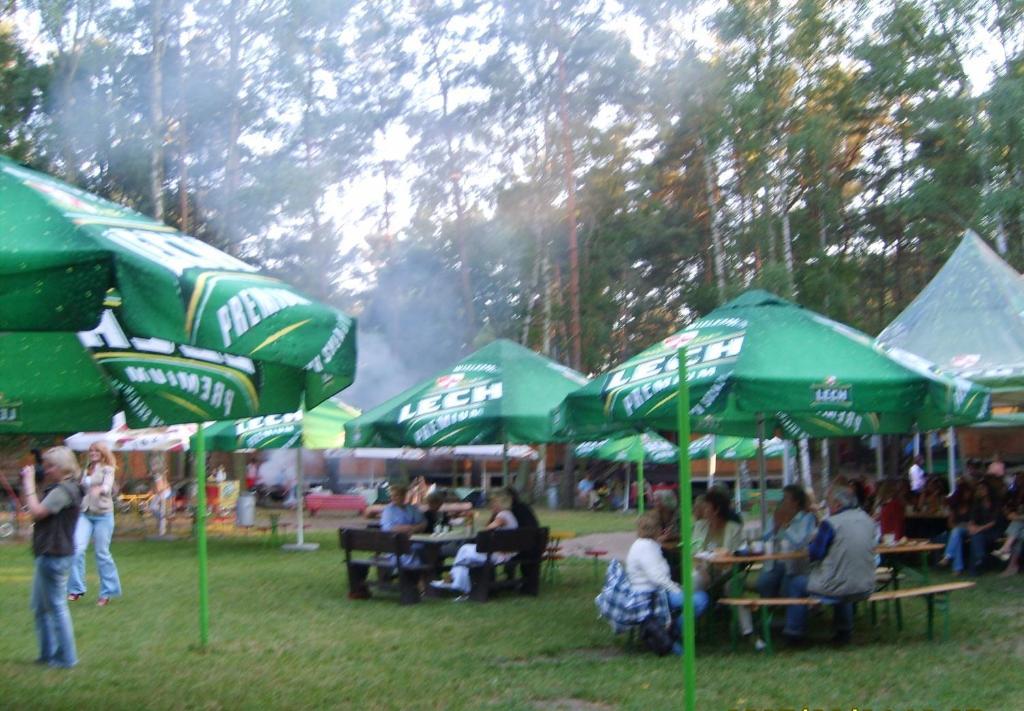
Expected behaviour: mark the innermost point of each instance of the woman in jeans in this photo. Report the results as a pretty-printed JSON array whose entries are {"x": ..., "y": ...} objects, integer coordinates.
[
  {"x": 53, "y": 545},
  {"x": 96, "y": 524}
]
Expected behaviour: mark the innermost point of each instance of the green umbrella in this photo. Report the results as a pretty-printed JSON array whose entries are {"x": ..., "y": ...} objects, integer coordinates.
[
  {"x": 501, "y": 394},
  {"x": 636, "y": 448},
  {"x": 733, "y": 448},
  {"x": 646, "y": 447},
  {"x": 104, "y": 310},
  {"x": 763, "y": 363},
  {"x": 323, "y": 427}
]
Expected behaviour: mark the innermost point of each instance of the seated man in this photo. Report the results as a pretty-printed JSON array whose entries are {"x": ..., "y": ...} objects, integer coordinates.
[
  {"x": 400, "y": 517},
  {"x": 842, "y": 555},
  {"x": 648, "y": 571}
]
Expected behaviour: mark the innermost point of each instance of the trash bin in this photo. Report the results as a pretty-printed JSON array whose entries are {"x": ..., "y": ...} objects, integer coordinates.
[
  {"x": 245, "y": 510},
  {"x": 552, "y": 497}
]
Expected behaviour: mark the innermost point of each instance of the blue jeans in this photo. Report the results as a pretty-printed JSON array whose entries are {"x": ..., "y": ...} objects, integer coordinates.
[
  {"x": 100, "y": 529},
  {"x": 955, "y": 547},
  {"x": 773, "y": 582},
  {"x": 796, "y": 615},
  {"x": 675, "y": 603},
  {"x": 50, "y": 605}
]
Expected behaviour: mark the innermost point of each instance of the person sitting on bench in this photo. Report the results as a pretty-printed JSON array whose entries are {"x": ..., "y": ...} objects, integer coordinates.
[
  {"x": 842, "y": 555},
  {"x": 504, "y": 519},
  {"x": 400, "y": 517},
  {"x": 648, "y": 571},
  {"x": 792, "y": 528}
]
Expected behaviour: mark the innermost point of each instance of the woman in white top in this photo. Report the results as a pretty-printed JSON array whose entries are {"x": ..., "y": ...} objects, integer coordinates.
[
  {"x": 648, "y": 570},
  {"x": 501, "y": 504},
  {"x": 96, "y": 523}
]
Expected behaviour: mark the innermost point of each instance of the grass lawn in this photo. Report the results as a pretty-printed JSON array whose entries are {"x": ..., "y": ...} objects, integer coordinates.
[{"x": 283, "y": 635}]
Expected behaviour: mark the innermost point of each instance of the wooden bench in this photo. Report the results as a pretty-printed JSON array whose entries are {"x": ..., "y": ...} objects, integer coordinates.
[
  {"x": 334, "y": 502},
  {"x": 388, "y": 549},
  {"x": 931, "y": 593},
  {"x": 528, "y": 545}
]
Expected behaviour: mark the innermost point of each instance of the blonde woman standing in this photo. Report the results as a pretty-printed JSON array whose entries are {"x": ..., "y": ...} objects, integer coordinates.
[
  {"x": 96, "y": 524},
  {"x": 55, "y": 514}
]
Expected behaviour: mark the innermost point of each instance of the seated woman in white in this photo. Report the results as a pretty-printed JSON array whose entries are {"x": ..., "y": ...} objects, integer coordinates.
[{"x": 501, "y": 504}]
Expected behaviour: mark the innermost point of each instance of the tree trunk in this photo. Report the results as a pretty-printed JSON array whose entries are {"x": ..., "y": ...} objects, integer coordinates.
[
  {"x": 576, "y": 329},
  {"x": 718, "y": 252},
  {"x": 787, "y": 249},
  {"x": 156, "y": 107},
  {"x": 234, "y": 75}
]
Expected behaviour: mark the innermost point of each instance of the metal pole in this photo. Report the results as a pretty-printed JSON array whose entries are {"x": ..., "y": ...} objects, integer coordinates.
[
  {"x": 929, "y": 464},
  {"x": 712, "y": 461},
  {"x": 504, "y": 463},
  {"x": 204, "y": 602},
  {"x": 300, "y": 500},
  {"x": 917, "y": 445},
  {"x": 826, "y": 465},
  {"x": 641, "y": 487},
  {"x": 625, "y": 490},
  {"x": 951, "y": 453},
  {"x": 805, "y": 464},
  {"x": 879, "y": 457},
  {"x": 686, "y": 532},
  {"x": 762, "y": 473}
]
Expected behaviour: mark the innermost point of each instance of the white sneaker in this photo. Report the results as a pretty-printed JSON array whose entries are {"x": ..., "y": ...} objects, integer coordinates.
[
  {"x": 759, "y": 645},
  {"x": 441, "y": 585}
]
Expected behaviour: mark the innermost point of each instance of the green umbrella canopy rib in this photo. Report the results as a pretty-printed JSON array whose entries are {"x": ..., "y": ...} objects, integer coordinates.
[
  {"x": 969, "y": 320},
  {"x": 759, "y": 354},
  {"x": 323, "y": 427},
  {"x": 502, "y": 393},
  {"x": 103, "y": 309}
]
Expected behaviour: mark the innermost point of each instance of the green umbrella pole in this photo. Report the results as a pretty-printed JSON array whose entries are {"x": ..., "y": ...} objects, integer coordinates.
[
  {"x": 686, "y": 532},
  {"x": 640, "y": 486},
  {"x": 204, "y": 603}
]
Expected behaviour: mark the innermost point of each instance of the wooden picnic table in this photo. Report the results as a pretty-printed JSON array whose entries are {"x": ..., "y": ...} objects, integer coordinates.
[
  {"x": 741, "y": 564},
  {"x": 446, "y": 537}
]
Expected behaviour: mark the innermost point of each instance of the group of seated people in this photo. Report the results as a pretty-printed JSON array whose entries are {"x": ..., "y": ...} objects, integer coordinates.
[
  {"x": 839, "y": 567},
  {"x": 983, "y": 510},
  {"x": 508, "y": 511}
]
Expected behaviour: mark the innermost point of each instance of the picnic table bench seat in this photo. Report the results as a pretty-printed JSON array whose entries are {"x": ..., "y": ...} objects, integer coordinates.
[
  {"x": 389, "y": 549},
  {"x": 334, "y": 502},
  {"x": 528, "y": 545},
  {"x": 931, "y": 593}
]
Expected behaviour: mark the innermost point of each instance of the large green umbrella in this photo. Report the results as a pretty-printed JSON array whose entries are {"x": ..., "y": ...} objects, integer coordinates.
[
  {"x": 104, "y": 310},
  {"x": 323, "y": 427},
  {"x": 501, "y": 394},
  {"x": 763, "y": 363}
]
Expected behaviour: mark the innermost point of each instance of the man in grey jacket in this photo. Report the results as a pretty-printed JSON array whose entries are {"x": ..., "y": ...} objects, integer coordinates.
[{"x": 842, "y": 555}]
